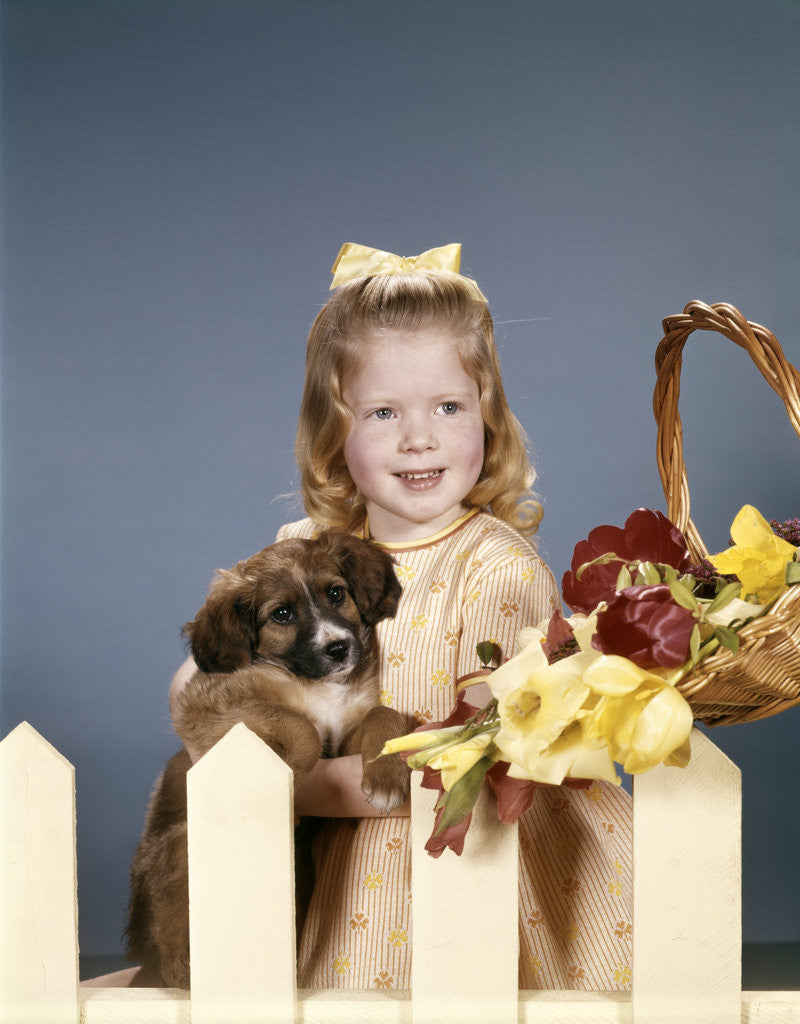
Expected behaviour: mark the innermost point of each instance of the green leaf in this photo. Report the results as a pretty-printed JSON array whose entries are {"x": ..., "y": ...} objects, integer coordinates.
[
  {"x": 650, "y": 573},
  {"x": 685, "y": 598},
  {"x": 605, "y": 559},
  {"x": 727, "y": 638},
  {"x": 485, "y": 650},
  {"x": 792, "y": 573},
  {"x": 694, "y": 644},
  {"x": 724, "y": 597},
  {"x": 459, "y": 801}
]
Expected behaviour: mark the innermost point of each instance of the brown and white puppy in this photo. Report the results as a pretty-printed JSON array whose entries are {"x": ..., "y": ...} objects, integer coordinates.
[{"x": 285, "y": 643}]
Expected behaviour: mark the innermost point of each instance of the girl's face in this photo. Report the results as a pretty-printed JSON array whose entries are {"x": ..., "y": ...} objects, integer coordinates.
[{"x": 415, "y": 449}]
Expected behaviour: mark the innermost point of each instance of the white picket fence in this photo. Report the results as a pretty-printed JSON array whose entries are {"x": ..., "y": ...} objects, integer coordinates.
[{"x": 686, "y": 931}]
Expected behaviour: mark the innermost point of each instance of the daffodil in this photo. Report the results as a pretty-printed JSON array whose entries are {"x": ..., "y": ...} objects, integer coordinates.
[
  {"x": 758, "y": 557},
  {"x": 540, "y": 708},
  {"x": 576, "y": 717}
]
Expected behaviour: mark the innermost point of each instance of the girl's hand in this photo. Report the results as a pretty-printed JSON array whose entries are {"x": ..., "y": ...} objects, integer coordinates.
[
  {"x": 478, "y": 694},
  {"x": 332, "y": 789}
]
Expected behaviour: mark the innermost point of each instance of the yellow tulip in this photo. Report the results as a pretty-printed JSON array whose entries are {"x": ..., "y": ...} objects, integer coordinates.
[
  {"x": 457, "y": 760},
  {"x": 419, "y": 740},
  {"x": 641, "y": 716},
  {"x": 758, "y": 557},
  {"x": 662, "y": 727},
  {"x": 613, "y": 676}
]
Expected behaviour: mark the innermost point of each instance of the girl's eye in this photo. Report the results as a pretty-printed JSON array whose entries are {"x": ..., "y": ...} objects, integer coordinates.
[
  {"x": 336, "y": 594},
  {"x": 449, "y": 408},
  {"x": 383, "y": 414},
  {"x": 282, "y": 614}
]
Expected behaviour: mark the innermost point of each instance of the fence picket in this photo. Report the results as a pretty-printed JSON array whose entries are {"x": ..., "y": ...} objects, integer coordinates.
[
  {"x": 241, "y": 888},
  {"x": 38, "y": 899},
  {"x": 687, "y": 901},
  {"x": 464, "y": 912},
  {"x": 687, "y": 907}
]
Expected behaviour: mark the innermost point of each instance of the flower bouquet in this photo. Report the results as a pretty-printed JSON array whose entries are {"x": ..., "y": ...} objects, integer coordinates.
[{"x": 603, "y": 687}]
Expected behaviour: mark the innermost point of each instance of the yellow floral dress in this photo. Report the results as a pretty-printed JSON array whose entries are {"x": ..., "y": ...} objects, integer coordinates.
[{"x": 477, "y": 580}]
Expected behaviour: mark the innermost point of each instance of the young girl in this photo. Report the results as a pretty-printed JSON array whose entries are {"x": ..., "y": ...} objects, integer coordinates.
[{"x": 406, "y": 438}]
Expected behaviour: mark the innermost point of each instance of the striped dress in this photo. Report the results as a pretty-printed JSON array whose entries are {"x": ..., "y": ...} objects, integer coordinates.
[{"x": 476, "y": 580}]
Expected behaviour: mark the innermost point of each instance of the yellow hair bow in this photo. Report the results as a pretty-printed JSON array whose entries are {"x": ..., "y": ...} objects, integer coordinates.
[{"x": 355, "y": 261}]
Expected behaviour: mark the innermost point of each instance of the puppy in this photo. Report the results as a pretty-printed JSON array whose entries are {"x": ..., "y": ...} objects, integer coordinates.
[{"x": 285, "y": 643}]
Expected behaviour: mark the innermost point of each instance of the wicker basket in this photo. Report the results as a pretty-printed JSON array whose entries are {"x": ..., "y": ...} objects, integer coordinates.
[{"x": 763, "y": 678}]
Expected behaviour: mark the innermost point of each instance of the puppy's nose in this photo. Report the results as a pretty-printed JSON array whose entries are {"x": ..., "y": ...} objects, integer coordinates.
[{"x": 338, "y": 650}]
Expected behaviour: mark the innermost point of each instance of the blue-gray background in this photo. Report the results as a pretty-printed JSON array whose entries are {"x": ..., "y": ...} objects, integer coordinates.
[{"x": 178, "y": 176}]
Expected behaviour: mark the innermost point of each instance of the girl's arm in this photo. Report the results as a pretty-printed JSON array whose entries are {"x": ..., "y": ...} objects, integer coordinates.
[
  {"x": 516, "y": 589},
  {"x": 179, "y": 681},
  {"x": 478, "y": 695},
  {"x": 332, "y": 789}
]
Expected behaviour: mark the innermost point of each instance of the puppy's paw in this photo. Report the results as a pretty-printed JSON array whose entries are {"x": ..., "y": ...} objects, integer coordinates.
[
  {"x": 386, "y": 782},
  {"x": 176, "y": 973}
]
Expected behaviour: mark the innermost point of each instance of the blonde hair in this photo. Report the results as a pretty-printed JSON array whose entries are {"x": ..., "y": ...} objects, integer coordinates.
[{"x": 409, "y": 302}]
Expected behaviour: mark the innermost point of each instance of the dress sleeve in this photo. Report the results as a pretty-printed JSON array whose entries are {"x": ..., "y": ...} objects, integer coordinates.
[
  {"x": 502, "y": 599},
  {"x": 304, "y": 528}
]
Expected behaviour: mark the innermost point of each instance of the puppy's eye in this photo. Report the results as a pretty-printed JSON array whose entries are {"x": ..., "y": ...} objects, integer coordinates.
[
  {"x": 282, "y": 615},
  {"x": 336, "y": 594}
]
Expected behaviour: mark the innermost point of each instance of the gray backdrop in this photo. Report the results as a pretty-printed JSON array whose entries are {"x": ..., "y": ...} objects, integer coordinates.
[{"x": 178, "y": 176}]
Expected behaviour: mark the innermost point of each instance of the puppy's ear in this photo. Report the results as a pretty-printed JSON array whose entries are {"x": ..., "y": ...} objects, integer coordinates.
[
  {"x": 222, "y": 634},
  {"x": 369, "y": 570}
]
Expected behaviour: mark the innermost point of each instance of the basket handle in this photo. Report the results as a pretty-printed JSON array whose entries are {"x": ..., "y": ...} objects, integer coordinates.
[{"x": 765, "y": 351}]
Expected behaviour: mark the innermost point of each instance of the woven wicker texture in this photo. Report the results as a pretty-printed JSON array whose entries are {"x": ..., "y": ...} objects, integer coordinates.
[{"x": 763, "y": 678}]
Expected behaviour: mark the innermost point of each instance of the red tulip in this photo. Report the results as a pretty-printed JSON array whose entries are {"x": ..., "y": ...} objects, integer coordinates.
[
  {"x": 645, "y": 625},
  {"x": 648, "y": 536}
]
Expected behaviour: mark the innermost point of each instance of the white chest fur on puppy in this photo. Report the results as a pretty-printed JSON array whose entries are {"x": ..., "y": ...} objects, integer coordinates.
[
  {"x": 285, "y": 643},
  {"x": 332, "y": 706}
]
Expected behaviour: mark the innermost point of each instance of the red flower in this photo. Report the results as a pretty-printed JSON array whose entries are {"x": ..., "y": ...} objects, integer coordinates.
[
  {"x": 648, "y": 536},
  {"x": 514, "y": 796},
  {"x": 453, "y": 837},
  {"x": 560, "y": 640},
  {"x": 645, "y": 625}
]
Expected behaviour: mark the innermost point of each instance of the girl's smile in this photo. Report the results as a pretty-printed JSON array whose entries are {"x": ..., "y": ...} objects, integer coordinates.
[{"x": 415, "y": 449}]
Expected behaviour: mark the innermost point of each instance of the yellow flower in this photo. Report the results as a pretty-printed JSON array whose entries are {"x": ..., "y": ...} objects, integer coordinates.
[
  {"x": 529, "y": 658},
  {"x": 541, "y": 733},
  {"x": 455, "y": 761},
  {"x": 418, "y": 740},
  {"x": 735, "y": 611},
  {"x": 642, "y": 718},
  {"x": 758, "y": 557},
  {"x": 579, "y": 715}
]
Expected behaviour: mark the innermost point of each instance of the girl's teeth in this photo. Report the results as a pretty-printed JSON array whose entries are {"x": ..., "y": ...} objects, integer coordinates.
[{"x": 419, "y": 476}]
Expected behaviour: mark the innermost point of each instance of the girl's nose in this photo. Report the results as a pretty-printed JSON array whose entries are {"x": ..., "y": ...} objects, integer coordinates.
[{"x": 417, "y": 436}]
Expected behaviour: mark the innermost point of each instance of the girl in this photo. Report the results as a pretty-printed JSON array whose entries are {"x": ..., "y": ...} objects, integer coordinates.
[{"x": 406, "y": 438}]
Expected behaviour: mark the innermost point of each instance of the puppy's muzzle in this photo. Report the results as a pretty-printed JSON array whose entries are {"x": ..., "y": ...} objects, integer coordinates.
[
  {"x": 338, "y": 651},
  {"x": 330, "y": 651}
]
